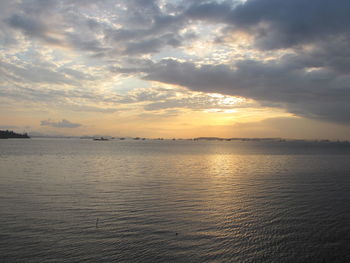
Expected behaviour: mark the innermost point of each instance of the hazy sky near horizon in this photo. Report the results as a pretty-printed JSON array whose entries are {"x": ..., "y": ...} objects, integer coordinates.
[{"x": 176, "y": 68}]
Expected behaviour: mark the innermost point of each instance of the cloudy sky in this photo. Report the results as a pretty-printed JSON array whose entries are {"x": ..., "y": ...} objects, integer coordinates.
[{"x": 176, "y": 68}]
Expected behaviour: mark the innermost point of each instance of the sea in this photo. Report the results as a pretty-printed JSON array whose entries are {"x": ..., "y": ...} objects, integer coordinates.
[{"x": 79, "y": 200}]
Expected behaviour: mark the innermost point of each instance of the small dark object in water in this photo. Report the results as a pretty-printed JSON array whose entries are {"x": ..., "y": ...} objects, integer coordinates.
[
  {"x": 96, "y": 222},
  {"x": 101, "y": 139},
  {"x": 176, "y": 233}
]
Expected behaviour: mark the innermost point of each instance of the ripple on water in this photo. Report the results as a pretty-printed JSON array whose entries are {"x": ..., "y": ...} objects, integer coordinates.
[{"x": 172, "y": 202}]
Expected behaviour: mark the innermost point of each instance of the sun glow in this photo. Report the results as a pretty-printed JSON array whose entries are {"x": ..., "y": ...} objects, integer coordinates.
[{"x": 226, "y": 100}]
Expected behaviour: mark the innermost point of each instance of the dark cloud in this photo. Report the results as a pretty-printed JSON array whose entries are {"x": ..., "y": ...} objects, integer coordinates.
[
  {"x": 163, "y": 31},
  {"x": 282, "y": 24},
  {"x": 146, "y": 46},
  {"x": 134, "y": 27},
  {"x": 278, "y": 24},
  {"x": 83, "y": 43},
  {"x": 321, "y": 93},
  {"x": 35, "y": 18},
  {"x": 60, "y": 124},
  {"x": 28, "y": 25},
  {"x": 312, "y": 81},
  {"x": 275, "y": 24},
  {"x": 213, "y": 11},
  {"x": 152, "y": 45}
]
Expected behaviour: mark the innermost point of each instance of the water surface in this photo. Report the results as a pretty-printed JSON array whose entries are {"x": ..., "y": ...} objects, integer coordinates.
[{"x": 173, "y": 201}]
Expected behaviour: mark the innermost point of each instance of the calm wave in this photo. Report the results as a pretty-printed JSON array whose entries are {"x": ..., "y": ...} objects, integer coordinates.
[{"x": 71, "y": 200}]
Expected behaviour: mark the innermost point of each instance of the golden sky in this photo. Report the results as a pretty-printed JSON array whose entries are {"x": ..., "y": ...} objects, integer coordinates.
[{"x": 175, "y": 68}]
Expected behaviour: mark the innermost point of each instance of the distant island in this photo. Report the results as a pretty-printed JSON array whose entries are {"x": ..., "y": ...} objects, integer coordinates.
[
  {"x": 11, "y": 134},
  {"x": 236, "y": 139}
]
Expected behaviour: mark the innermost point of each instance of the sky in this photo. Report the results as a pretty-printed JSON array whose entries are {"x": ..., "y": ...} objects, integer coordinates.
[{"x": 176, "y": 68}]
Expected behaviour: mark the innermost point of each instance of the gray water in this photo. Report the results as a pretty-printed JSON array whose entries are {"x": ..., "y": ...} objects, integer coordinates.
[{"x": 71, "y": 200}]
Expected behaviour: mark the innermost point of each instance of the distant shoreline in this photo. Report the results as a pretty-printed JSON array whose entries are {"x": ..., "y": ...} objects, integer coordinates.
[
  {"x": 13, "y": 135},
  {"x": 218, "y": 139}
]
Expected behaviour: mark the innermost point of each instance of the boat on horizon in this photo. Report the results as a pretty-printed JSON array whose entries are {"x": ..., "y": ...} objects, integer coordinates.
[{"x": 101, "y": 139}]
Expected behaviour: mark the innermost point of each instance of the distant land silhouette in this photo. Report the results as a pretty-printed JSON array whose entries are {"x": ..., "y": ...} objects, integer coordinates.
[{"x": 11, "y": 134}]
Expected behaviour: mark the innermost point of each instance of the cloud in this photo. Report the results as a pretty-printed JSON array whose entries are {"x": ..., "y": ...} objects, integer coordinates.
[
  {"x": 320, "y": 93},
  {"x": 152, "y": 45},
  {"x": 291, "y": 127},
  {"x": 175, "y": 98},
  {"x": 278, "y": 24},
  {"x": 60, "y": 124},
  {"x": 36, "y": 74},
  {"x": 200, "y": 101},
  {"x": 130, "y": 28},
  {"x": 212, "y": 11},
  {"x": 143, "y": 27},
  {"x": 150, "y": 94},
  {"x": 32, "y": 28},
  {"x": 283, "y": 24},
  {"x": 299, "y": 50}
]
